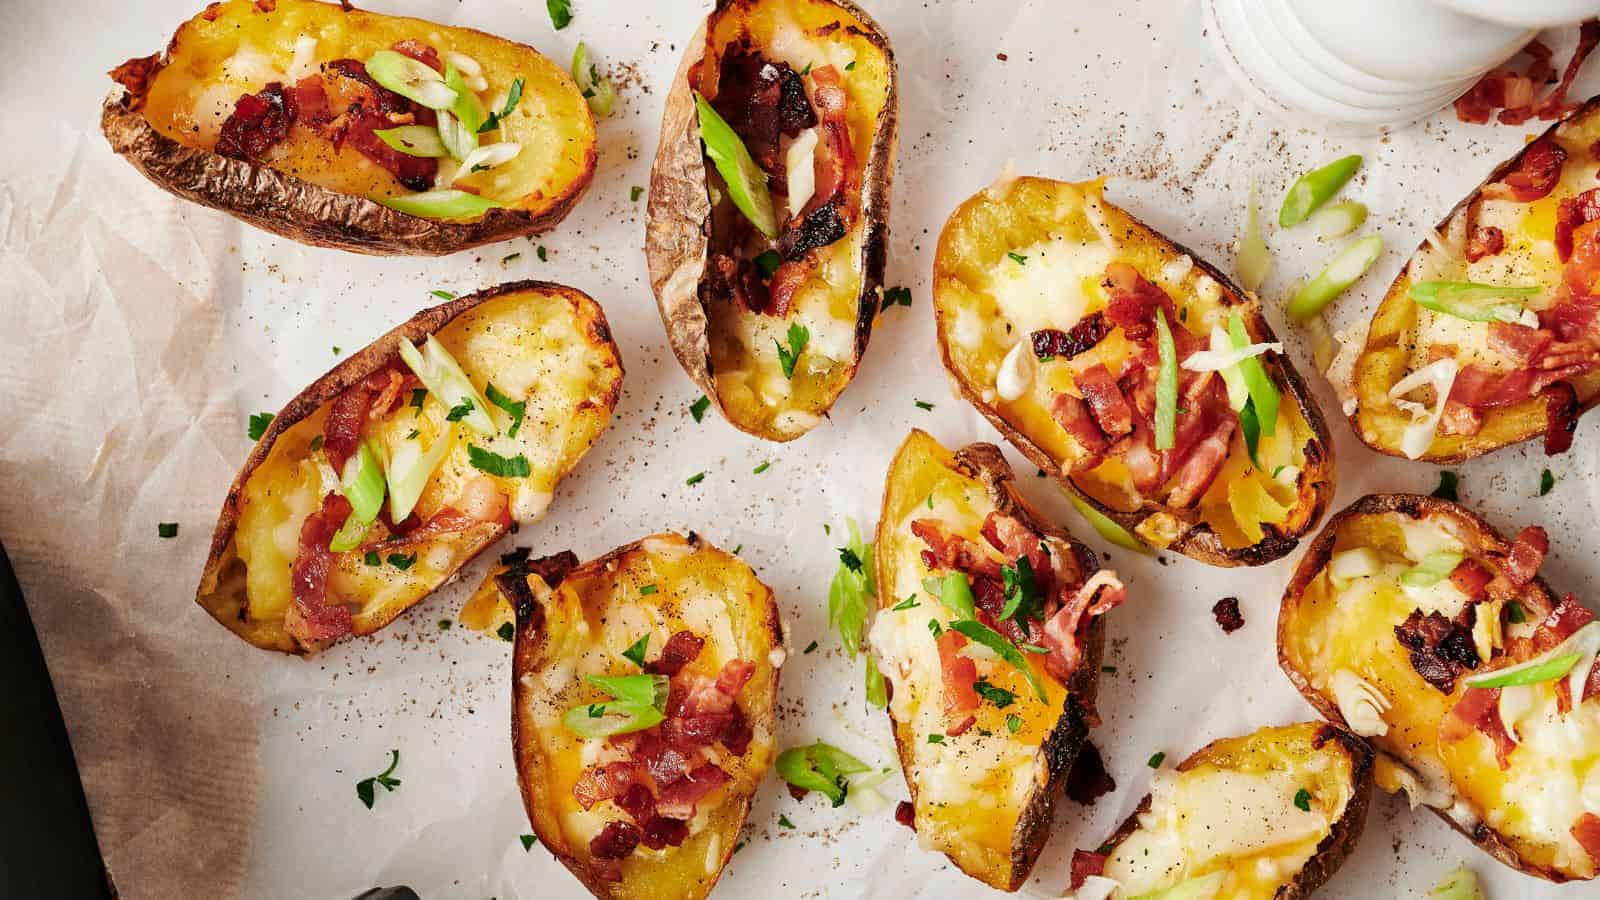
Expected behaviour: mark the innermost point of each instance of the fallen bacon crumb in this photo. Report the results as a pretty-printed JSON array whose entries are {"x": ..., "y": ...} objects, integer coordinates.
[{"x": 1226, "y": 611}]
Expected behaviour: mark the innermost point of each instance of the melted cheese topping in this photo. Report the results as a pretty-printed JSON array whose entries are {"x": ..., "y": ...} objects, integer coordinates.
[
  {"x": 531, "y": 346},
  {"x": 1232, "y": 809},
  {"x": 591, "y": 619},
  {"x": 215, "y": 61},
  {"x": 971, "y": 789},
  {"x": 1545, "y": 789}
]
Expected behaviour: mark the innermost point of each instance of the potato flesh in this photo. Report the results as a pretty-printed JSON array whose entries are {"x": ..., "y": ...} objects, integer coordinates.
[
  {"x": 531, "y": 347},
  {"x": 1403, "y": 334},
  {"x": 1554, "y": 775},
  {"x": 212, "y": 63},
  {"x": 988, "y": 301},
  {"x": 590, "y": 621},
  {"x": 972, "y": 789},
  {"x": 744, "y": 355},
  {"x": 1231, "y": 808}
]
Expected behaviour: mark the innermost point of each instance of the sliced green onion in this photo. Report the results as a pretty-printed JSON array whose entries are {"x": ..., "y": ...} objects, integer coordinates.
[
  {"x": 979, "y": 633},
  {"x": 1461, "y": 884},
  {"x": 1166, "y": 384},
  {"x": 599, "y": 92},
  {"x": 747, "y": 184},
  {"x": 362, "y": 484},
  {"x": 414, "y": 140},
  {"x": 1203, "y": 888},
  {"x": 1576, "y": 655},
  {"x": 409, "y": 469},
  {"x": 1315, "y": 188},
  {"x": 446, "y": 382},
  {"x": 411, "y": 79},
  {"x": 466, "y": 116},
  {"x": 820, "y": 767},
  {"x": 1340, "y": 219},
  {"x": 1253, "y": 260},
  {"x": 1232, "y": 377},
  {"x": 955, "y": 592},
  {"x": 877, "y": 692},
  {"x": 1345, "y": 269},
  {"x": 444, "y": 204},
  {"x": 851, "y": 591},
  {"x": 1263, "y": 393},
  {"x": 1434, "y": 568},
  {"x": 638, "y": 702},
  {"x": 1107, "y": 527},
  {"x": 1467, "y": 299}
]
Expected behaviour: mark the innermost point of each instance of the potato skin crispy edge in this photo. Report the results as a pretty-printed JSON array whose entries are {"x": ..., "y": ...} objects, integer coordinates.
[
  {"x": 1198, "y": 540},
  {"x": 986, "y": 463},
  {"x": 352, "y": 370},
  {"x": 1589, "y": 107},
  {"x": 678, "y": 218},
  {"x": 1341, "y": 839},
  {"x": 1482, "y": 537},
  {"x": 529, "y": 652}
]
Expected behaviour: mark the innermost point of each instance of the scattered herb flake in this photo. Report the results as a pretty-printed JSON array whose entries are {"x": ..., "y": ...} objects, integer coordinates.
[
  {"x": 1156, "y": 761},
  {"x": 417, "y": 396},
  {"x": 444, "y": 295},
  {"x": 1515, "y": 614},
  {"x": 647, "y": 590},
  {"x": 444, "y": 624},
  {"x": 335, "y": 349},
  {"x": 695, "y": 479},
  {"x": 366, "y": 787},
  {"x": 699, "y": 407},
  {"x": 560, "y": 12},
  {"x": 923, "y": 404},
  {"x": 849, "y": 559},
  {"x": 372, "y": 558},
  {"x": 402, "y": 562},
  {"x": 167, "y": 529},
  {"x": 1000, "y": 697},
  {"x": 1302, "y": 800},
  {"x": 908, "y": 603},
  {"x": 540, "y": 252},
  {"x": 1013, "y": 723},
  {"x": 935, "y": 738},
  {"x": 784, "y": 821},
  {"x": 512, "y": 97},
  {"x": 810, "y": 647},
  {"x": 528, "y": 841},
  {"x": 506, "y": 631},
  {"x": 1447, "y": 486},
  {"x": 1018, "y": 258},
  {"x": 413, "y": 435},
  {"x": 459, "y": 412},
  {"x": 510, "y": 258},
  {"x": 636, "y": 652},
  {"x": 515, "y": 409},
  {"x": 850, "y": 66},
  {"x": 799, "y": 337},
  {"x": 495, "y": 464},
  {"x": 768, "y": 261},
  {"x": 1546, "y": 482},
  {"x": 765, "y": 465},
  {"x": 1109, "y": 670},
  {"x": 633, "y": 193},
  {"x": 258, "y": 425},
  {"x": 896, "y": 296}
]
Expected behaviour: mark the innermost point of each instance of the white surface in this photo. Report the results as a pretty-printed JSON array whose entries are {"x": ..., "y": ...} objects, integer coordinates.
[{"x": 142, "y": 331}]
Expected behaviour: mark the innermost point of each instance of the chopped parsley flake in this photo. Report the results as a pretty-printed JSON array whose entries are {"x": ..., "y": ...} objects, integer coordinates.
[
  {"x": 540, "y": 252},
  {"x": 444, "y": 624},
  {"x": 1546, "y": 482},
  {"x": 633, "y": 193},
  {"x": 413, "y": 435},
  {"x": 1018, "y": 258},
  {"x": 1000, "y": 697},
  {"x": 515, "y": 94},
  {"x": 366, "y": 788},
  {"x": 1515, "y": 614},
  {"x": 768, "y": 261},
  {"x": 528, "y": 841},
  {"x": 459, "y": 412},
  {"x": 167, "y": 529},
  {"x": 1156, "y": 761},
  {"x": 1013, "y": 723},
  {"x": 810, "y": 647},
  {"x": 647, "y": 590},
  {"x": 417, "y": 396},
  {"x": 849, "y": 558},
  {"x": 636, "y": 652},
  {"x": 444, "y": 295},
  {"x": 695, "y": 479},
  {"x": 1109, "y": 670},
  {"x": 506, "y": 631},
  {"x": 699, "y": 407},
  {"x": 923, "y": 404},
  {"x": 935, "y": 738},
  {"x": 908, "y": 603},
  {"x": 402, "y": 562},
  {"x": 1302, "y": 800},
  {"x": 799, "y": 337},
  {"x": 849, "y": 66},
  {"x": 335, "y": 349},
  {"x": 509, "y": 257},
  {"x": 560, "y": 13},
  {"x": 784, "y": 821},
  {"x": 495, "y": 464},
  {"x": 258, "y": 425},
  {"x": 765, "y": 465},
  {"x": 1447, "y": 486},
  {"x": 372, "y": 558},
  {"x": 896, "y": 296},
  {"x": 515, "y": 409}
]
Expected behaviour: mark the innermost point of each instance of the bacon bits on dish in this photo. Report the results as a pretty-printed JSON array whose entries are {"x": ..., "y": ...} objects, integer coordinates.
[{"x": 643, "y": 710}]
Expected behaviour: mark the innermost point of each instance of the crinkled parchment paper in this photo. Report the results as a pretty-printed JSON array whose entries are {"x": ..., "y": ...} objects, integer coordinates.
[{"x": 140, "y": 332}]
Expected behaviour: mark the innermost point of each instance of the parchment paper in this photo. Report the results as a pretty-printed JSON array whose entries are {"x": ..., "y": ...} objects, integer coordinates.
[{"x": 140, "y": 332}]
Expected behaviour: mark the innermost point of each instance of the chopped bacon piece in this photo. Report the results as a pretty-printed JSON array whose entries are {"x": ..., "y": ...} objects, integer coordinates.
[
  {"x": 739, "y": 280},
  {"x": 1014, "y": 540},
  {"x": 638, "y": 802},
  {"x": 1582, "y": 273},
  {"x": 1110, "y": 408},
  {"x": 257, "y": 123},
  {"x": 1134, "y": 301},
  {"x": 1478, "y": 710},
  {"x": 615, "y": 841},
  {"x": 835, "y": 163},
  {"x": 1499, "y": 89},
  {"x": 1203, "y": 463},
  {"x": 1226, "y": 612},
  {"x": 1441, "y": 649},
  {"x": 762, "y": 101},
  {"x": 1485, "y": 241},
  {"x": 1561, "y": 411},
  {"x": 961, "y": 728},
  {"x": 661, "y": 832},
  {"x": 1480, "y": 388},
  {"x": 370, "y": 107},
  {"x": 1568, "y": 616},
  {"x": 1555, "y": 105},
  {"x": 307, "y": 103},
  {"x": 664, "y": 762},
  {"x": 1081, "y": 337},
  {"x": 420, "y": 52},
  {"x": 135, "y": 75},
  {"x": 341, "y": 433},
  {"x": 952, "y": 551},
  {"x": 789, "y": 277},
  {"x": 1574, "y": 319},
  {"x": 1460, "y": 419},
  {"x": 1088, "y": 780},
  {"x": 1066, "y": 630},
  {"x": 1470, "y": 579},
  {"x": 1521, "y": 343},
  {"x": 1074, "y": 417},
  {"x": 906, "y": 814},
  {"x": 677, "y": 800},
  {"x": 680, "y": 650},
  {"x": 604, "y": 783},
  {"x": 700, "y": 709},
  {"x": 1586, "y": 831},
  {"x": 960, "y": 674},
  {"x": 1516, "y": 95},
  {"x": 737, "y": 733},
  {"x": 1536, "y": 175},
  {"x": 1527, "y": 554},
  {"x": 310, "y": 617},
  {"x": 1571, "y": 214},
  {"x": 1085, "y": 864}
]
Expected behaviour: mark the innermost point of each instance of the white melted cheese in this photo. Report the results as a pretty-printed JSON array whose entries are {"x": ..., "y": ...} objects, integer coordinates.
[
  {"x": 1046, "y": 291},
  {"x": 1554, "y": 778}
]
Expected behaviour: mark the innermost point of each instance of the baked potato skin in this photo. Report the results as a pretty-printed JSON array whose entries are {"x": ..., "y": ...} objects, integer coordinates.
[
  {"x": 1341, "y": 840},
  {"x": 291, "y": 207},
  {"x": 534, "y": 650},
  {"x": 986, "y": 464},
  {"x": 1196, "y": 540},
  {"x": 230, "y": 607},
  {"x": 1382, "y": 361},
  {"x": 1477, "y": 534},
  {"x": 678, "y": 218}
]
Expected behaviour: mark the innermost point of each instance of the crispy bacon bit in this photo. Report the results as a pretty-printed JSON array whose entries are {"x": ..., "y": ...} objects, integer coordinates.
[
  {"x": 1088, "y": 331},
  {"x": 1478, "y": 710},
  {"x": 1527, "y": 554},
  {"x": 1571, "y": 214},
  {"x": 1440, "y": 648},
  {"x": 1516, "y": 95},
  {"x": 420, "y": 52},
  {"x": 1088, "y": 780},
  {"x": 960, "y": 674},
  {"x": 1501, "y": 89},
  {"x": 740, "y": 281},
  {"x": 815, "y": 228},
  {"x": 1561, "y": 411},
  {"x": 1458, "y": 419},
  {"x": 1555, "y": 104},
  {"x": 310, "y": 617},
  {"x": 1470, "y": 579},
  {"x": 1073, "y": 415},
  {"x": 1582, "y": 273},
  {"x": 1085, "y": 864},
  {"x": 680, "y": 650},
  {"x": 661, "y": 832},
  {"x": 762, "y": 101},
  {"x": 1134, "y": 301},
  {"x": 1587, "y": 833},
  {"x": 135, "y": 75},
  {"x": 341, "y": 433},
  {"x": 906, "y": 814},
  {"x": 266, "y": 6},
  {"x": 677, "y": 800},
  {"x": 664, "y": 762},
  {"x": 371, "y": 107},
  {"x": 952, "y": 551},
  {"x": 1486, "y": 240},
  {"x": 962, "y": 727},
  {"x": 1204, "y": 461},
  {"x": 1014, "y": 540},
  {"x": 1536, "y": 175},
  {"x": 1110, "y": 408},
  {"x": 1519, "y": 342},
  {"x": 1066, "y": 630},
  {"x": 604, "y": 783},
  {"x": 1226, "y": 612},
  {"x": 701, "y": 710},
  {"x": 1482, "y": 388},
  {"x": 638, "y": 802},
  {"x": 257, "y": 123},
  {"x": 615, "y": 841}
]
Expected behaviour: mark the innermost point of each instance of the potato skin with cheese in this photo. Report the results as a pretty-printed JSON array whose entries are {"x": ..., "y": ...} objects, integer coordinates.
[
  {"x": 1310, "y": 751},
  {"x": 1002, "y": 859},
  {"x": 589, "y": 605},
  {"x": 704, "y": 330},
  {"x": 146, "y": 125},
  {"x": 1393, "y": 335},
  {"x": 973, "y": 251},
  {"x": 234, "y": 597},
  {"x": 1311, "y": 617}
]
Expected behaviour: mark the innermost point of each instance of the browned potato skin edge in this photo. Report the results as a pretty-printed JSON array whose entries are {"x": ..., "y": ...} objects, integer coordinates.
[
  {"x": 1199, "y": 541},
  {"x": 1341, "y": 840},
  {"x": 299, "y": 210},
  {"x": 677, "y": 218},
  {"x": 525, "y": 654},
  {"x": 354, "y": 369},
  {"x": 1482, "y": 536},
  {"x": 985, "y": 462},
  {"x": 1591, "y": 106}
]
